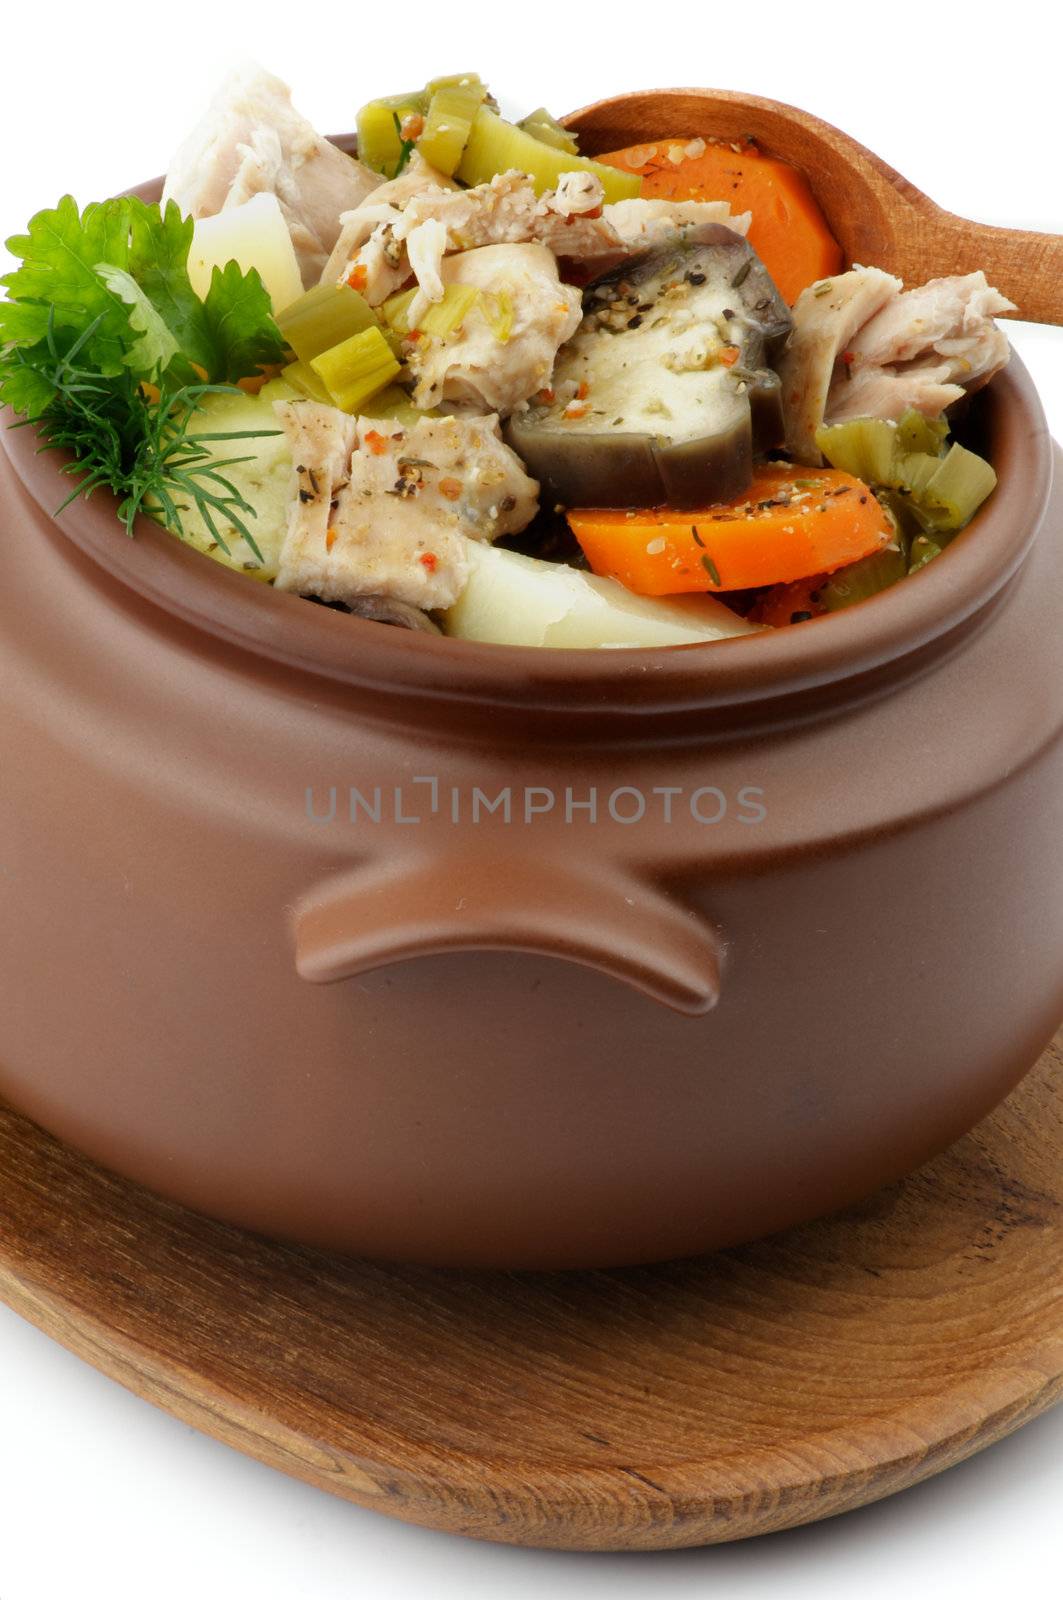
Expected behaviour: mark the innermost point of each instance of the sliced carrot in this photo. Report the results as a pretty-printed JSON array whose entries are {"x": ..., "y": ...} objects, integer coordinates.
[
  {"x": 785, "y": 603},
  {"x": 792, "y": 522},
  {"x": 789, "y": 231}
]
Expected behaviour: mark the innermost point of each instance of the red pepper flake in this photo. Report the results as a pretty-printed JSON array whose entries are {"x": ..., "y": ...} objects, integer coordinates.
[
  {"x": 429, "y": 561},
  {"x": 729, "y": 355},
  {"x": 849, "y": 356},
  {"x": 414, "y": 334},
  {"x": 358, "y": 277},
  {"x": 330, "y": 538},
  {"x": 583, "y": 391},
  {"x": 376, "y": 442},
  {"x": 546, "y": 397},
  {"x": 450, "y": 488}
]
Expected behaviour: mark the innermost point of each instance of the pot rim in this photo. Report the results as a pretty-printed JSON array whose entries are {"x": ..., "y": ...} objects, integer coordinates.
[{"x": 389, "y": 662}]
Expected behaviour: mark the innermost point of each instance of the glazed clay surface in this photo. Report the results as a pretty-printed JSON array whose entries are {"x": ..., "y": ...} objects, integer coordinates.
[{"x": 556, "y": 1041}]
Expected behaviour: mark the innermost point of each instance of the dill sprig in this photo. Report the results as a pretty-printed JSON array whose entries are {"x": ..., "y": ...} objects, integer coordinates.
[{"x": 142, "y": 451}]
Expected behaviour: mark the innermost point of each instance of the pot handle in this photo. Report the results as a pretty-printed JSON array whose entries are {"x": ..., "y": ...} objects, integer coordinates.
[{"x": 603, "y": 918}]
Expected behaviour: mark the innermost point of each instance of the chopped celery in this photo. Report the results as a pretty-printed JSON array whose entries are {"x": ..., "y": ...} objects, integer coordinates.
[
  {"x": 324, "y": 316},
  {"x": 442, "y": 318},
  {"x": 457, "y": 80},
  {"x": 923, "y": 551},
  {"x": 865, "y": 446},
  {"x": 380, "y": 141},
  {"x": 542, "y": 126},
  {"x": 863, "y": 579},
  {"x": 497, "y": 146},
  {"x": 952, "y": 496},
  {"x": 305, "y": 379},
  {"x": 446, "y": 316},
  {"x": 496, "y": 308},
  {"x": 940, "y": 492},
  {"x": 395, "y": 311},
  {"x": 393, "y": 404},
  {"x": 356, "y": 369},
  {"x": 913, "y": 472},
  {"x": 926, "y": 435},
  {"x": 448, "y": 124}
]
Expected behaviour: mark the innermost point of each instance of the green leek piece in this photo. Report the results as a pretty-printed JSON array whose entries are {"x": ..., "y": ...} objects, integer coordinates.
[
  {"x": 393, "y": 404},
  {"x": 913, "y": 472},
  {"x": 952, "y": 496},
  {"x": 442, "y": 318},
  {"x": 496, "y": 308},
  {"x": 863, "y": 579},
  {"x": 395, "y": 311},
  {"x": 923, "y": 551},
  {"x": 305, "y": 379},
  {"x": 456, "y": 80},
  {"x": 497, "y": 146},
  {"x": 542, "y": 126},
  {"x": 866, "y": 447},
  {"x": 323, "y": 317},
  {"x": 356, "y": 369},
  {"x": 451, "y": 112},
  {"x": 379, "y": 139},
  {"x": 446, "y": 316},
  {"x": 925, "y": 435}
]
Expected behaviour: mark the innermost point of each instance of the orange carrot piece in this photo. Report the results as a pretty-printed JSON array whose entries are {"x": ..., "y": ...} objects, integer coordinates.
[
  {"x": 789, "y": 231},
  {"x": 790, "y": 602},
  {"x": 792, "y": 522}
]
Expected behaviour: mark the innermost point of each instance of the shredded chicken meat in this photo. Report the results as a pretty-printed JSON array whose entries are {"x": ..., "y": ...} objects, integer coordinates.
[
  {"x": 253, "y": 141},
  {"x": 382, "y": 510},
  {"x": 863, "y": 346},
  {"x": 504, "y": 350},
  {"x": 925, "y": 348}
]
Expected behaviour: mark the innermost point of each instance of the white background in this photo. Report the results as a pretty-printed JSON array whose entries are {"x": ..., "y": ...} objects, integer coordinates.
[{"x": 100, "y": 1496}]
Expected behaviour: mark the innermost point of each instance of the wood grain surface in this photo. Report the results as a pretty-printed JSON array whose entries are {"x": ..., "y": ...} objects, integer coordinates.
[
  {"x": 878, "y": 217},
  {"x": 676, "y": 1405}
]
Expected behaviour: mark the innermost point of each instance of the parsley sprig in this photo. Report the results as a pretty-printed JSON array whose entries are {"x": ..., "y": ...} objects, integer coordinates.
[{"x": 108, "y": 350}]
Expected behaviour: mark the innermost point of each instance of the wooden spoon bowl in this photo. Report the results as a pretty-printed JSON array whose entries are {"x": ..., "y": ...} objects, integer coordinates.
[{"x": 878, "y": 217}]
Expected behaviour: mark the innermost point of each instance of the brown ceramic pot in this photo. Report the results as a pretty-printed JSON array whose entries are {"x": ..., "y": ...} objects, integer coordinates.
[{"x": 812, "y": 934}]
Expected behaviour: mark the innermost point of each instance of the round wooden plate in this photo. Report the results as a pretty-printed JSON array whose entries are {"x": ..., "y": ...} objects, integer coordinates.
[{"x": 666, "y": 1406}]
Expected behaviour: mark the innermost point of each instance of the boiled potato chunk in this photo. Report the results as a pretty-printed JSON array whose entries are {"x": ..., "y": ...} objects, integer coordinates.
[
  {"x": 254, "y": 235},
  {"x": 514, "y": 599},
  {"x": 264, "y": 480}
]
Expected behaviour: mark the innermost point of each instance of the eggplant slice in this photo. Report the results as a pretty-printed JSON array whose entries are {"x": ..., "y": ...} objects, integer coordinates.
[{"x": 666, "y": 389}]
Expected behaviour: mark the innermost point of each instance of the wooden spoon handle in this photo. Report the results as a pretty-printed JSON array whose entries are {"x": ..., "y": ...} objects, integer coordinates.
[{"x": 1027, "y": 267}]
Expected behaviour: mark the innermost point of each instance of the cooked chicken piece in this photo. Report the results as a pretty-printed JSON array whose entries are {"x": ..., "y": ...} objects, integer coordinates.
[
  {"x": 925, "y": 348},
  {"x": 643, "y": 224},
  {"x": 826, "y": 317},
  {"x": 377, "y": 241},
  {"x": 504, "y": 350},
  {"x": 507, "y": 210},
  {"x": 252, "y": 141},
  {"x": 402, "y": 507},
  {"x": 384, "y": 206},
  {"x": 426, "y": 245},
  {"x": 321, "y": 440}
]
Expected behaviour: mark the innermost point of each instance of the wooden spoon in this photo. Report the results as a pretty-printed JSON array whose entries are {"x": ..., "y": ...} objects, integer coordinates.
[{"x": 878, "y": 217}]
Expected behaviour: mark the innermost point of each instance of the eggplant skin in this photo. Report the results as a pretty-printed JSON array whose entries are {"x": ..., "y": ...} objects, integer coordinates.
[
  {"x": 641, "y": 322},
  {"x": 633, "y": 469}
]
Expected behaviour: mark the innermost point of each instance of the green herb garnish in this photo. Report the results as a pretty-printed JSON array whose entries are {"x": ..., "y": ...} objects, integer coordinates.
[
  {"x": 105, "y": 345},
  {"x": 713, "y": 570},
  {"x": 143, "y": 453}
]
